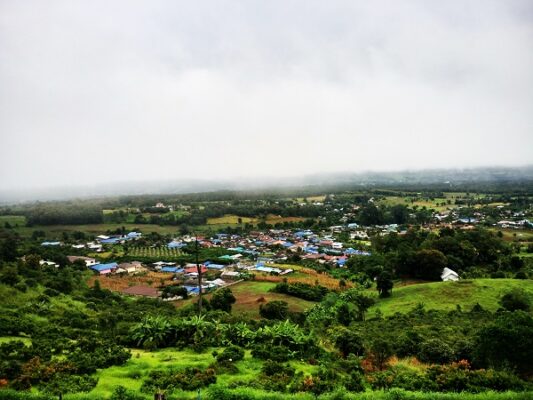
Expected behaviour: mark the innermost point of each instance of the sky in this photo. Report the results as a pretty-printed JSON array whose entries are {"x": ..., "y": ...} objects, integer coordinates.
[{"x": 98, "y": 92}]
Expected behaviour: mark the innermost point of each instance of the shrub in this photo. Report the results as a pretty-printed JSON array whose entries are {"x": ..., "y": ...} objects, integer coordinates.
[
  {"x": 302, "y": 290},
  {"x": 222, "y": 299},
  {"x": 276, "y": 376},
  {"x": 507, "y": 342},
  {"x": 435, "y": 351},
  {"x": 188, "y": 379},
  {"x": 70, "y": 384},
  {"x": 459, "y": 377},
  {"x": 231, "y": 354},
  {"x": 349, "y": 342},
  {"x": 276, "y": 309},
  {"x": 516, "y": 300},
  {"x": 274, "y": 353},
  {"x": 121, "y": 393}
]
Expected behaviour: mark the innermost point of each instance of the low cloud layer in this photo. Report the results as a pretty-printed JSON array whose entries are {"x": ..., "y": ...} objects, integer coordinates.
[{"x": 105, "y": 91}]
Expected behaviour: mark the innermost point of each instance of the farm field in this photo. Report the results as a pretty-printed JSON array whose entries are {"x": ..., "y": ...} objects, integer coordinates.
[
  {"x": 302, "y": 274},
  {"x": 230, "y": 220},
  {"x": 162, "y": 253},
  {"x": 435, "y": 204},
  {"x": 447, "y": 295},
  {"x": 55, "y": 231},
  {"x": 118, "y": 283},
  {"x": 513, "y": 235}
]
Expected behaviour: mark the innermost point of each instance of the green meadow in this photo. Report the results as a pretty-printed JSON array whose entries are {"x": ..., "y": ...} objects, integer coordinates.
[{"x": 449, "y": 295}]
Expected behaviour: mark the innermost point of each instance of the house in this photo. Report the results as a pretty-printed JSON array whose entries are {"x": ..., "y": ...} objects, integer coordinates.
[
  {"x": 230, "y": 275},
  {"x": 130, "y": 268},
  {"x": 48, "y": 263},
  {"x": 449, "y": 275},
  {"x": 174, "y": 270},
  {"x": 194, "y": 270},
  {"x": 215, "y": 266},
  {"x": 94, "y": 246},
  {"x": 176, "y": 245},
  {"x": 104, "y": 269},
  {"x": 51, "y": 244},
  {"x": 89, "y": 262}
]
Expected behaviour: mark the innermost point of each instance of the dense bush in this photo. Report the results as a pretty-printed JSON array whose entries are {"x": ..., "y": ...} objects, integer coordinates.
[
  {"x": 231, "y": 354},
  {"x": 276, "y": 376},
  {"x": 507, "y": 342},
  {"x": 435, "y": 351},
  {"x": 222, "y": 299},
  {"x": 274, "y": 353},
  {"x": 188, "y": 379},
  {"x": 302, "y": 290},
  {"x": 276, "y": 309},
  {"x": 516, "y": 300}
]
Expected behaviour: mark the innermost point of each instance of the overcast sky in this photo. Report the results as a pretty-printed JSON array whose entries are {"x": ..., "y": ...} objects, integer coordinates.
[{"x": 104, "y": 91}]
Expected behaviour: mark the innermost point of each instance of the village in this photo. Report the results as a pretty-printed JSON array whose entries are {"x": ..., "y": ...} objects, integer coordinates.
[{"x": 260, "y": 252}]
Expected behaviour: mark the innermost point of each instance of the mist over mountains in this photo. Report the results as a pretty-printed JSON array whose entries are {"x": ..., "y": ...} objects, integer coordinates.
[{"x": 451, "y": 177}]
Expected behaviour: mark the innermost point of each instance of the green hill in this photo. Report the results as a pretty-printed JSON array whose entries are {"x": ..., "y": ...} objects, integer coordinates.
[{"x": 447, "y": 295}]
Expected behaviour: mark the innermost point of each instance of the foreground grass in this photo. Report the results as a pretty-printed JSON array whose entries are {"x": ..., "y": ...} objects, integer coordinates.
[
  {"x": 142, "y": 362},
  {"x": 447, "y": 295}
]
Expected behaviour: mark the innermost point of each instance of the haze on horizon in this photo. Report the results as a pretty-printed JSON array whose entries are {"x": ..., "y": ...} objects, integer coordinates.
[{"x": 98, "y": 92}]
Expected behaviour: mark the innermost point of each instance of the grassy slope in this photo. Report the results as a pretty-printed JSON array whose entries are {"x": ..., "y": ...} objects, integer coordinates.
[{"x": 447, "y": 295}]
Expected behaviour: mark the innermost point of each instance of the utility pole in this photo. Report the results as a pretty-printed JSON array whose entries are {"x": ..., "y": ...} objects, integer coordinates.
[{"x": 199, "y": 271}]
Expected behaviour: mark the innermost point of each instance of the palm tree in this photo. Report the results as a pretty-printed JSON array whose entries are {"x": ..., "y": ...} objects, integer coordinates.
[{"x": 151, "y": 332}]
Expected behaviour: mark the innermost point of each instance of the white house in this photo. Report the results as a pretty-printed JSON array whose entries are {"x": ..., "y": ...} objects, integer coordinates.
[
  {"x": 48, "y": 263},
  {"x": 449, "y": 275},
  {"x": 89, "y": 262}
]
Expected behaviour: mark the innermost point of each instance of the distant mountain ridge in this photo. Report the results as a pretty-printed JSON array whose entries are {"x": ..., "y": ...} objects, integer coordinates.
[{"x": 366, "y": 178}]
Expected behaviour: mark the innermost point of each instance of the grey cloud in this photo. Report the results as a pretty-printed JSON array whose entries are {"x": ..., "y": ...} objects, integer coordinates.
[{"x": 132, "y": 90}]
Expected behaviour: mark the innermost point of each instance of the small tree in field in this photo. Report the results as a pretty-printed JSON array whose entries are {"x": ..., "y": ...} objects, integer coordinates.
[
  {"x": 223, "y": 299},
  {"x": 384, "y": 284}
]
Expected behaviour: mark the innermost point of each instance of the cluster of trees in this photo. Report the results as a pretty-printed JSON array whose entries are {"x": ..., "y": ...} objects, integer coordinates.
[
  {"x": 423, "y": 255},
  {"x": 302, "y": 290},
  {"x": 62, "y": 214}
]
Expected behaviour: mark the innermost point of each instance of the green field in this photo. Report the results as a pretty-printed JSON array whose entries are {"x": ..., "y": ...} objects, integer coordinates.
[
  {"x": 55, "y": 231},
  {"x": 447, "y": 295},
  {"x": 13, "y": 220},
  {"x": 414, "y": 201}
]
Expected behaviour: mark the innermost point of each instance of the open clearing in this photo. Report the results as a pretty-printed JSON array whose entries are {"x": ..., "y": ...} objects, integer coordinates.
[{"x": 251, "y": 294}]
